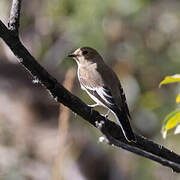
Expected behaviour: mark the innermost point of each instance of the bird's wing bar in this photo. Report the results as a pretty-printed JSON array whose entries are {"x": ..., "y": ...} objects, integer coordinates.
[
  {"x": 103, "y": 94},
  {"x": 106, "y": 95}
]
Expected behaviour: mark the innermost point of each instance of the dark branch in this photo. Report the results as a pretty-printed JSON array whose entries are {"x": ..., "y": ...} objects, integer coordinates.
[
  {"x": 13, "y": 24},
  {"x": 112, "y": 131},
  {"x": 148, "y": 155}
]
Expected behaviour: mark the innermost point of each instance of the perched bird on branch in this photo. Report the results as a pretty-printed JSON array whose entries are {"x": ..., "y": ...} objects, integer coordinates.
[{"x": 103, "y": 86}]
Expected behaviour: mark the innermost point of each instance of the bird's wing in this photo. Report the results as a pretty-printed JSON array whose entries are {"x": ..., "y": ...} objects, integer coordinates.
[
  {"x": 103, "y": 94},
  {"x": 106, "y": 96},
  {"x": 112, "y": 101},
  {"x": 122, "y": 102}
]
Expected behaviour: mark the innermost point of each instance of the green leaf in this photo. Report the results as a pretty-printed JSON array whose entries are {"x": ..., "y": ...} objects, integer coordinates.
[
  {"x": 170, "y": 79},
  {"x": 178, "y": 98},
  {"x": 170, "y": 122}
]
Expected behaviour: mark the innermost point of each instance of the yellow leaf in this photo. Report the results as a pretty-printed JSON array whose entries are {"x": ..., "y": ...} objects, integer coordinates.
[
  {"x": 170, "y": 79},
  {"x": 170, "y": 122},
  {"x": 178, "y": 98}
]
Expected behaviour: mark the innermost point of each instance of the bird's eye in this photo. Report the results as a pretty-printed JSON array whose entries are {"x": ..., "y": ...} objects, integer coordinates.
[{"x": 84, "y": 52}]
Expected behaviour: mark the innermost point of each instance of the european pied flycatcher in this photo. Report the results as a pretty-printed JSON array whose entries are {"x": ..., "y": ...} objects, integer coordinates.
[{"x": 103, "y": 86}]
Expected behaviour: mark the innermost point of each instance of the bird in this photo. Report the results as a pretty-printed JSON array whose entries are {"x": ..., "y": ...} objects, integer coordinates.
[{"x": 103, "y": 86}]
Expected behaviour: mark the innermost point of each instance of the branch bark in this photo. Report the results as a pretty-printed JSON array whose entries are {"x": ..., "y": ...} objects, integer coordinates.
[
  {"x": 111, "y": 130},
  {"x": 15, "y": 16}
]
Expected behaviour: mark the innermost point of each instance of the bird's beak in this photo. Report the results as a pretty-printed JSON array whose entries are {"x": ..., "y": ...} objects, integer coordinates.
[{"x": 72, "y": 55}]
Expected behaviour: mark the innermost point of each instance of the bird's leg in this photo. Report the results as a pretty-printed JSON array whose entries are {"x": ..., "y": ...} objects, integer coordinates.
[{"x": 92, "y": 106}]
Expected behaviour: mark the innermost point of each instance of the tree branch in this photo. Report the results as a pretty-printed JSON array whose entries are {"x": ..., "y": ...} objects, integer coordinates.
[
  {"x": 111, "y": 130},
  {"x": 15, "y": 16}
]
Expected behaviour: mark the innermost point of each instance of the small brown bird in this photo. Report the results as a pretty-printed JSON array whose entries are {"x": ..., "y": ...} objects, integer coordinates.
[{"x": 103, "y": 86}]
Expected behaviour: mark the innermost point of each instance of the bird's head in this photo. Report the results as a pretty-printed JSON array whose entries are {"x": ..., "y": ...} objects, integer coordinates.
[{"x": 86, "y": 55}]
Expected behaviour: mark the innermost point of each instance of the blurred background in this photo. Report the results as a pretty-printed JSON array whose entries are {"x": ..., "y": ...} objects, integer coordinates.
[{"x": 139, "y": 39}]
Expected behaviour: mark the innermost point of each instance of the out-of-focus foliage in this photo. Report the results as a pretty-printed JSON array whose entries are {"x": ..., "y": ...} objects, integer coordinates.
[
  {"x": 170, "y": 79},
  {"x": 178, "y": 99},
  {"x": 172, "y": 120},
  {"x": 139, "y": 39}
]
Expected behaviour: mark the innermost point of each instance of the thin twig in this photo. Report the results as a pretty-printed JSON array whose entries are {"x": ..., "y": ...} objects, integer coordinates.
[
  {"x": 14, "y": 19},
  {"x": 146, "y": 154}
]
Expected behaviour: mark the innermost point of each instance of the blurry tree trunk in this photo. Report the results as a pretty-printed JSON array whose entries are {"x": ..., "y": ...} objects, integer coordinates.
[{"x": 64, "y": 146}]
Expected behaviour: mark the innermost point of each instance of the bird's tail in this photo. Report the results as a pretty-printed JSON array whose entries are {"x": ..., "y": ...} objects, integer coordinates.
[{"x": 123, "y": 119}]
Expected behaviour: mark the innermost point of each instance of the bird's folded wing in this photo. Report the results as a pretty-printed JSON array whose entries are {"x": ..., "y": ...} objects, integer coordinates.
[
  {"x": 123, "y": 103},
  {"x": 103, "y": 94}
]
